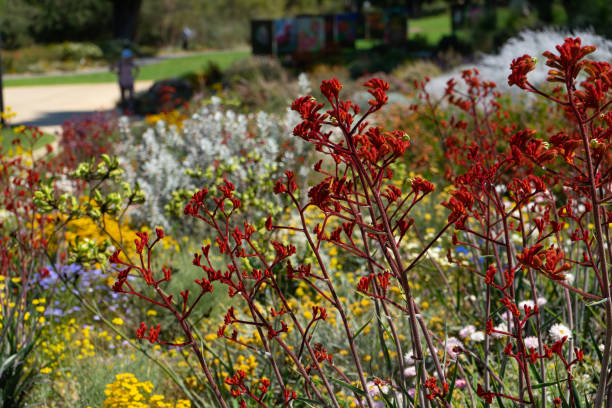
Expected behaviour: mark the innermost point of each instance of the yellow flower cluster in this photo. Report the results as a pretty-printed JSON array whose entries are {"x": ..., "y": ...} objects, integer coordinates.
[
  {"x": 87, "y": 229},
  {"x": 172, "y": 118},
  {"x": 8, "y": 303},
  {"x": 128, "y": 392},
  {"x": 8, "y": 113},
  {"x": 66, "y": 341},
  {"x": 55, "y": 351}
]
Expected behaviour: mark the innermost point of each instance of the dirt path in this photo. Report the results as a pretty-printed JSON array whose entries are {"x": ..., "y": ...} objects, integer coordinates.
[{"x": 50, "y": 105}]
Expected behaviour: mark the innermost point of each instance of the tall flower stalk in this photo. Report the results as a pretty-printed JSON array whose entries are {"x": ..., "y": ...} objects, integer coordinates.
[{"x": 363, "y": 214}]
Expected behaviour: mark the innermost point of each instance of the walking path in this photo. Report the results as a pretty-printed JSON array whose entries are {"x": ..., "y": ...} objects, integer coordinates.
[{"x": 49, "y": 106}]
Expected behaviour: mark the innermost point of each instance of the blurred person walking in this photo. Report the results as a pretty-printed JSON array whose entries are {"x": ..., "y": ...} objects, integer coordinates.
[
  {"x": 185, "y": 37},
  {"x": 126, "y": 71}
]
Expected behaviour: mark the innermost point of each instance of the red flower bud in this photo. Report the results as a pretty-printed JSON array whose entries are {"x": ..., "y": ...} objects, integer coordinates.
[
  {"x": 331, "y": 88},
  {"x": 520, "y": 67}
]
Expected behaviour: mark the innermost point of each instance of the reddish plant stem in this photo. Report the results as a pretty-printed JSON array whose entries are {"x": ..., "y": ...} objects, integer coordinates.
[
  {"x": 303, "y": 332},
  {"x": 524, "y": 372},
  {"x": 378, "y": 291},
  {"x": 194, "y": 347},
  {"x": 336, "y": 302},
  {"x": 605, "y": 287}
]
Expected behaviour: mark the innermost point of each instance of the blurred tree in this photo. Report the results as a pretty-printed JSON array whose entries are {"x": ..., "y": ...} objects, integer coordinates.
[
  {"x": 414, "y": 7},
  {"x": 218, "y": 23},
  {"x": 125, "y": 18},
  {"x": 544, "y": 9},
  {"x": 68, "y": 20},
  {"x": 16, "y": 23},
  {"x": 46, "y": 21},
  {"x": 592, "y": 13}
]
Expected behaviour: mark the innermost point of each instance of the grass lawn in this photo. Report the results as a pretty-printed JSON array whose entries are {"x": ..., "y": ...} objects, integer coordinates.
[
  {"x": 164, "y": 69},
  {"x": 433, "y": 28},
  {"x": 367, "y": 43},
  {"x": 7, "y": 135}
]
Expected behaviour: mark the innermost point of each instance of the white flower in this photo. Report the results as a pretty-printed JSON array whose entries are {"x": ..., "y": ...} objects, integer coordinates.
[
  {"x": 542, "y": 301},
  {"x": 569, "y": 278},
  {"x": 559, "y": 331},
  {"x": 531, "y": 342},
  {"x": 501, "y": 327},
  {"x": 508, "y": 319},
  {"x": 467, "y": 331},
  {"x": 500, "y": 188},
  {"x": 410, "y": 371},
  {"x": 372, "y": 389},
  {"x": 528, "y": 303},
  {"x": 408, "y": 358},
  {"x": 451, "y": 343},
  {"x": 215, "y": 101},
  {"x": 375, "y": 389},
  {"x": 602, "y": 347},
  {"x": 477, "y": 336}
]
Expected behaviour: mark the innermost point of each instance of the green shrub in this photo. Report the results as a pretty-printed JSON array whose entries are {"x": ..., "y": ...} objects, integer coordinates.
[
  {"x": 418, "y": 69},
  {"x": 77, "y": 51},
  {"x": 256, "y": 67}
]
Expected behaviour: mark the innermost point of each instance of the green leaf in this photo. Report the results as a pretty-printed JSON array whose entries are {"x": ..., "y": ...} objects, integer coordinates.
[
  {"x": 546, "y": 384},
  {"x": 535, "y": 373},
  {"x": 7, "y": 363},
  {"x": 597, "y": 302},
  {"x": 575, "y": 393},
  {"x": 452, "y": 387},
  {"x": 309, "y": 401},
  {"x": 344, "y": 384},
  {"x": 358, "y": 332}
]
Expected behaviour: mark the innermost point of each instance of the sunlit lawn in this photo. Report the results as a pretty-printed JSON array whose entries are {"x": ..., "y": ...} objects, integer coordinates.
[
  {"x": 168, "y": 68},
  {"x": 433, "y": 28}
]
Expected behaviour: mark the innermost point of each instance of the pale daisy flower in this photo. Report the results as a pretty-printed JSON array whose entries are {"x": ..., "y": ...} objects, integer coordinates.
[
  {"x": 477, "y": 336},
  {"x": 542, "y": 301},
  {"x": 500, "y": 327},
  {"x": 451, "y": 344},
  {"x": 559, "y": 331},
  {"x": 500, "y": 188},
  {"x": 372, "y": 389},
  {"x": 410, "y": 371},
  {"x": 531, "y": 342},
  {"x": 528, "y": 303},
  {"x": 467, "y": 331},
  {"x": 508, "y": 319},
  {"x": 375, "y": 389}
]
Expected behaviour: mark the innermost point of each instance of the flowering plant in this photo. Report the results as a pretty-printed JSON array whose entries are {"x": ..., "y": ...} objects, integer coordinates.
[
  {"x": 532, "y": 211},
  {"x": 528, "y": 252},
  {"x": 23, "y": 255},
  {"x": 363, "y": 213}
]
